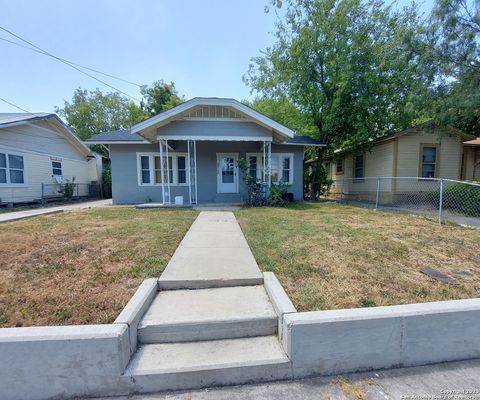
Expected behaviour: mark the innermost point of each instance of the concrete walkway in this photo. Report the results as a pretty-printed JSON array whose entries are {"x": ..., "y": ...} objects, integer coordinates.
[
  {"x": 213, "y": 253},
  {"x": 17, "y": 215},
  {"x": 213, "y": 322},
  {"x": 428, "y": 382}
]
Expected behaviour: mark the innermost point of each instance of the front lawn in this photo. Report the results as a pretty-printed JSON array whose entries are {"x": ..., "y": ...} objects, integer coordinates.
[
  {"x": 82, "y": 267},
  {"x": 329, "y": 256}
]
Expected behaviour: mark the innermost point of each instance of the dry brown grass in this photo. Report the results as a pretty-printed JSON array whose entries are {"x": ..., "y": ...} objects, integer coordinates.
[
  {"x": 351, "y": 390},
  {"x": 329, "y": 256},
  {"x": 82, "y": 267}
]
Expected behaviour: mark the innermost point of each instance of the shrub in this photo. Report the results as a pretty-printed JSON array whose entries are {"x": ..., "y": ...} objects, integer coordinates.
[
  {"x": 107, "y": 182},
  {"x": 276, "y": 197},
  {"x": 255, "y": 190},
  {"x": 68, "y": 189},
  {"x": 458, "y": 197}
]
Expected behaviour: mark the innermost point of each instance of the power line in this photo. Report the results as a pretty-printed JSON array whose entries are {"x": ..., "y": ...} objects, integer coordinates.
[
  {"x": 71, "y": 62},
  {"x": 20, "y": 108},
  {"x": 68, "y": 63}
]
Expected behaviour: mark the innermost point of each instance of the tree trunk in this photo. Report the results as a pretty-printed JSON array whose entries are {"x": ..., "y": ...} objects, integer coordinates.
[{"x": 317, "y": 176}]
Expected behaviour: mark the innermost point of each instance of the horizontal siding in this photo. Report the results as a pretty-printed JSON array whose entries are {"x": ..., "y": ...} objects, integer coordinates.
[
  {"x": 39, "y": 137},
  {"x": 38, "y": 170},
  {"x": 378, "y": 162},
  {"x": 409, "y": 154},
  {"x": 125, "y": 188},
  {"x": 214, "y": 128}
]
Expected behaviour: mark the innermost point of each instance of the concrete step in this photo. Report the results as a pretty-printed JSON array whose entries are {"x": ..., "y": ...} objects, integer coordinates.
[
  {"x": 207, "y": 314},
  {"x": 193, "y": 365}
]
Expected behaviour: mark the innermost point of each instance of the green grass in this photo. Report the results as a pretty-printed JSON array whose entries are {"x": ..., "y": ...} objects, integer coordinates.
[
  {"x": 82, "y": 267},
  {"x": 329, "y": 256}
]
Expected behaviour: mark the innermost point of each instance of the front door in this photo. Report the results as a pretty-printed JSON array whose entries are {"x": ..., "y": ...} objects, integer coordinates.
[{"x": 227, "y": 173}]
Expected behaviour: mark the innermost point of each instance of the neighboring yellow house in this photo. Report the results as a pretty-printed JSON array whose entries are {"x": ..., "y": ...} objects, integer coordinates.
[{"x": 423, "y": 151}]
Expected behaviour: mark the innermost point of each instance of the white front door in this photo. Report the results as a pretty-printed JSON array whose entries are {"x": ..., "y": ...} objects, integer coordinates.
[{"x": 227, "y": 173}]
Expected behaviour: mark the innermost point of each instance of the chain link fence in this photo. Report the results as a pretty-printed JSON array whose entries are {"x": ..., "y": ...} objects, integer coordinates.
[
  {"x": 57, "y": 191},
  {"x": 445, "y": 199}
]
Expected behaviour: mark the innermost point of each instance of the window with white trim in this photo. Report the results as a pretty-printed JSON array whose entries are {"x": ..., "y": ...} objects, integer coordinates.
[
  {"x": 12, "y": 169},
  {"x": 57, "y": 168},
  {"x": 150, "y": 172},
  {"x": 281, "y": 166}
]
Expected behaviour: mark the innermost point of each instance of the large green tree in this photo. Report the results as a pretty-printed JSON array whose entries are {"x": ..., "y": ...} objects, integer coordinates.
[
  {"x": 354, "y": 67},
  {"x": 455, "y": 36},
  {"x": 159, "y": 97},
  {"x": 91, "y": 112}
]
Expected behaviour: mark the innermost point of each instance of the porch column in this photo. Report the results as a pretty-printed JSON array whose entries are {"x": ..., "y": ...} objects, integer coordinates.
[
  {"x": 164, "y": 171},
  {"x": 267, "y": 164},
  {"x": 192, "y": 170}
]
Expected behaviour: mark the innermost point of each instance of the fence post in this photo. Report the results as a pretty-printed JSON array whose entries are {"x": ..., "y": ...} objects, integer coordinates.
[
  {"x": 378, "y": 193},
  {"x": 440, "y": 204},
  {"x": 43, "y": 191}
]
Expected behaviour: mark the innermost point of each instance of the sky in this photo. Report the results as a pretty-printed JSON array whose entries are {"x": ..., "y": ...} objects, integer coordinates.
[{"x": 204, "y": 47}]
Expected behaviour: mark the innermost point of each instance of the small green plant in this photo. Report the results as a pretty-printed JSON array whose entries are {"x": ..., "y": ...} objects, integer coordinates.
[
  {"x": 277, "y": 195},
  {"x": 367, "y": 302},
  {"x": 255, "y": 192},
  {"x": 68, "y": 189},
  {"x": 63, "y": 315}
]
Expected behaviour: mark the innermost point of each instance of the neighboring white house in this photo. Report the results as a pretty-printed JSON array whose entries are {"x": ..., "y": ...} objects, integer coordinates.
[{"x": 37, "y": 153}]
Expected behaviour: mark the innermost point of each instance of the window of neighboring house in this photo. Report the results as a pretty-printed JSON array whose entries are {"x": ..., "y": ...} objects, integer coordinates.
[
  {"x": 428, "y": 161},
  {"x": 340, "y": 163},
  {"x": 359, "y": 166},
  {"x": 57, "y": 168},
  {"x": 3, "y": 168},
  {"x": 12, "y": 169}
]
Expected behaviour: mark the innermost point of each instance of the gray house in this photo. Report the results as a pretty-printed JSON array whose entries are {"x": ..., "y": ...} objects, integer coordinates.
[{"x": 190, "y": 153}]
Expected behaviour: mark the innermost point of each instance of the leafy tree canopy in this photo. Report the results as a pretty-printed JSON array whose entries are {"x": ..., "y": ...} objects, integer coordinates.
[
  {"x": 455, "y": 38},
  {"x": 159, "y": 97},
  {"x": 91, "y": 112},
  {"x": 353, "y": 67},
  {"x": 285, "y": 112}
]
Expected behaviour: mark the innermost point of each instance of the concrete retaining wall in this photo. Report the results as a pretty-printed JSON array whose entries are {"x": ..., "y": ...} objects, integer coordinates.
[
  {"x": 136, "y": 307},
  {"x": 332, "y": 342},
  {"x": 62, "y": 361}
]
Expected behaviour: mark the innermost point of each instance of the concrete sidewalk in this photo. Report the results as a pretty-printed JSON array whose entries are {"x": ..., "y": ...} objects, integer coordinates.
[
  {"x": 17, "y": 215},
  {"x": 456, "y": 380},
  {"x": 213, "y": 253}
]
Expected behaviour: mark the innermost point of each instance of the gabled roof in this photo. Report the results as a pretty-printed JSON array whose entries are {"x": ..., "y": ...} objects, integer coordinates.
[
  {"x": 123, "y": 136},
  {"x": 425, "y": 126},
  {"x": 170, "y": 115},
  {"x": 14, "y": 119}
]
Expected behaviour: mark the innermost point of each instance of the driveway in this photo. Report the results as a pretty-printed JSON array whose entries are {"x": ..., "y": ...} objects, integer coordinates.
[{"x": 17, "y": 215}]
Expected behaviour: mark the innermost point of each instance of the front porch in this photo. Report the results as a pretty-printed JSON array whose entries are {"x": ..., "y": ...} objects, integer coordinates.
[{"x": 202, "y": 172}]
